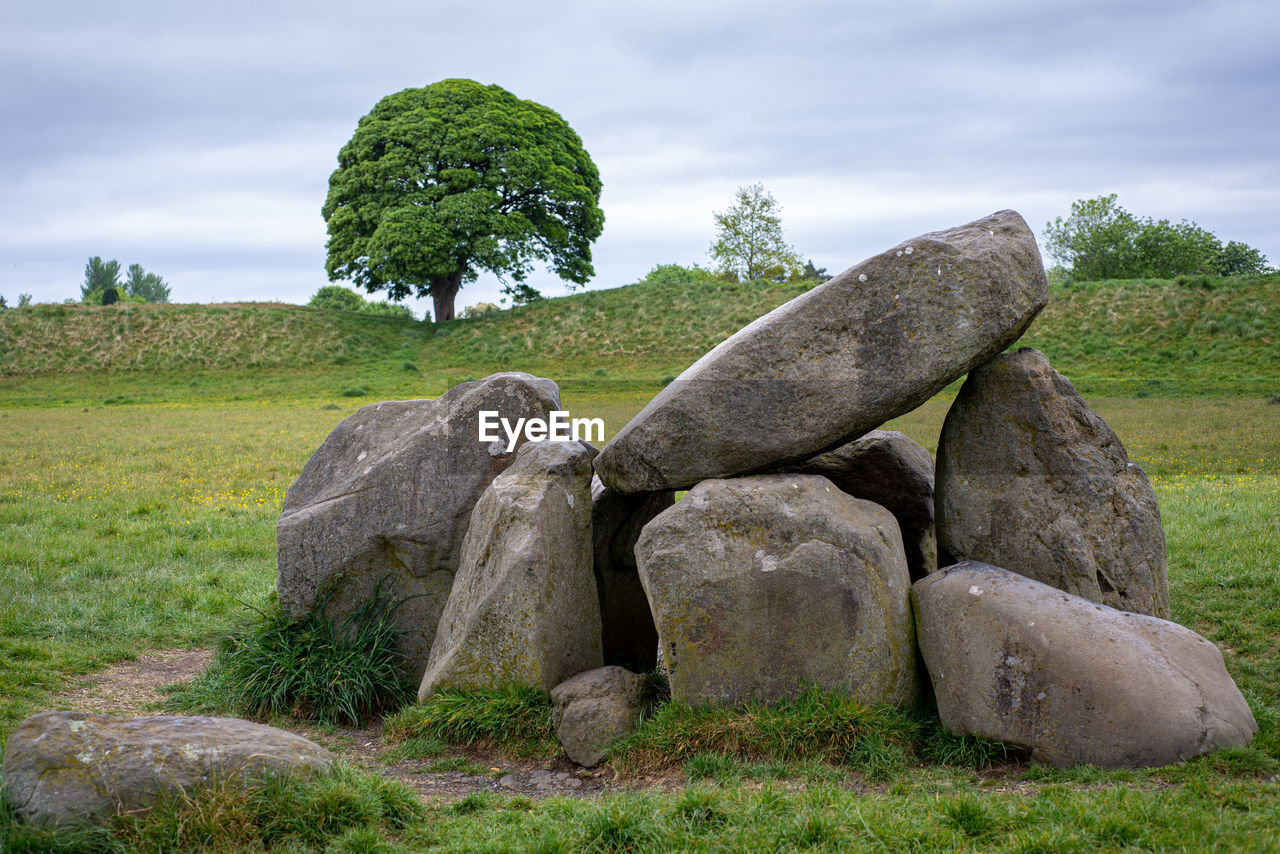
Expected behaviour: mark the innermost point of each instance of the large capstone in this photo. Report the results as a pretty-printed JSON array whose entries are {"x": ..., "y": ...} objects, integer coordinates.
[
  {"x": 763, "y": 585},
  {"x": 384, "y": 503},
  {"x": 895, "y": 472},
  {"x": 71, "y": 766},
  {"x": 872, "y": 343},
  {"x": 1076, "y": 682},
  {"x": 627, "y": 631},
  {"x": 1031, "y": 479},
  {"x": 524, "y": 608}
]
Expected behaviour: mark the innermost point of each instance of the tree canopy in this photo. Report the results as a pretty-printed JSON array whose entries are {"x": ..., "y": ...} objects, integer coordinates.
[
  {"x": 442, "y": 182},
  {"x": 748, "y": 243},
  {"x": 145, "y": 286},
  {"x": 1101, "y": 240}
]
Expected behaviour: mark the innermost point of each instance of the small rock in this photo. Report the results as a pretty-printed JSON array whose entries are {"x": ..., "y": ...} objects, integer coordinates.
[
  {"x": 589, "y": 711},
  {"x": 71, "y": 766},
  {"x": 1077, "y": 682}
]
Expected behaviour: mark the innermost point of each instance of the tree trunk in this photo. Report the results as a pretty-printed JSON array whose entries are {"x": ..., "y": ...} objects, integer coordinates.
[{"x": 443, "y": 291}]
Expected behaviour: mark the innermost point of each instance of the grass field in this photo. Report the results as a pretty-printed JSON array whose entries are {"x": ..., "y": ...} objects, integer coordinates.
[{"x": 138, "y": 512}]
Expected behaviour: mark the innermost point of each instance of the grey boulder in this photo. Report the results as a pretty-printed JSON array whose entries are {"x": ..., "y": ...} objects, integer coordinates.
[
  {"x": 593, "y": 709},
  {"x": 72, "y": 766},
  {"x": 387, "y": 498},
  {"x": 1077, "y": 682},
  {"x": 892, "y": 470},
  {"x": 626, "y": 622},
  {"x": 870, "y": 344},
  {"x": 1031, "y": 479},
  {"x": 763, "y": 585},
  {"x": 524, "y": 607}
]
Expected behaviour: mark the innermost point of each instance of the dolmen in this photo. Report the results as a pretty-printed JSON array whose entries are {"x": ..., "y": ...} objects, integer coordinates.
[{"x": 1026, "y": 570}]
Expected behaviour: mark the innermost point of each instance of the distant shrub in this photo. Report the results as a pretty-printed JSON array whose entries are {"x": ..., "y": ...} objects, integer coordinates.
[
  {"x": 676, "y": 274},
  {"x": 479, "y": 309},
  {"x": 388, "y": 309},
  {"x": 336, "y": 298},
  {"x": 355, "y": 391}
]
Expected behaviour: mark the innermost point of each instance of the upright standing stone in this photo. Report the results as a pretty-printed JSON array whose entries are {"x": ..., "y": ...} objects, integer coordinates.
[
  {"x": 763, "y": 585},
  {"x": 1031, "y": 479},
  {"x": 895, "y": 472},
  {"x": 524, "y": 607},
  {"x": 626, "y": 622},
  {"x": 387, "y": 498},
  {"x": 1077, "y": 682},
  {"x": 872, "y": 343}
]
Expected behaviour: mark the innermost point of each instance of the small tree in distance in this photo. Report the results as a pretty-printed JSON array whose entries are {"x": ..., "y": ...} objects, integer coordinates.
[
  {"x": 99, "y": 275},
  {"x": 145, "y": 286},
  {"x": 749, "y": 243}
]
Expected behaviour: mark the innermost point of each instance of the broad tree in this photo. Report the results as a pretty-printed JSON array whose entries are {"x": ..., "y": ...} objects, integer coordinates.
[
  {"x": 1101, "y": 240},
  {"x": 440, "y": 183},
  {"x": 748, "y": 243}
]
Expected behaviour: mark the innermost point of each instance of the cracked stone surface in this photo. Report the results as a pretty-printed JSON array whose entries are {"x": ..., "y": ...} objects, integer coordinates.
[
  {"x": 1031, "y": 479},
  {"x": 387, "y": 499},
  {"x": 71, "y": 766},
  {"x": 872, "y": 343},
  {"x": 1076, "y": 682},
  {"x": 895, "y": 472},
  {"x": 761, "y": 585}
]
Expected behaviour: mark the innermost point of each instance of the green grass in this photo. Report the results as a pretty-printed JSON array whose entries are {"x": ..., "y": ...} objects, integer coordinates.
[
  {"x": 333, "y": 670},
  {"x": 138, "y": 506},
  {"x": 517, "y": 719}
]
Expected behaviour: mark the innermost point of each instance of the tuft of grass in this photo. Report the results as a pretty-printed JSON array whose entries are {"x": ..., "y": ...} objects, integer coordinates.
[
  {"x": 355, "y": 391},
  {"x": 516, "y": 718},
  {"x": 813, "y": 725},
  {"x": 310, "y": 668},
  {"x": 967, "y": 815}
]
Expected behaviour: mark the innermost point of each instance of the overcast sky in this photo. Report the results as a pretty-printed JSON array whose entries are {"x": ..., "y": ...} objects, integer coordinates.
[{"x": 198, "y": 139}]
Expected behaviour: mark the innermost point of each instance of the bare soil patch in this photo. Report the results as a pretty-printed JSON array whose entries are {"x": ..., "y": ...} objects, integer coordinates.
[{"x": 136, "y": 688}]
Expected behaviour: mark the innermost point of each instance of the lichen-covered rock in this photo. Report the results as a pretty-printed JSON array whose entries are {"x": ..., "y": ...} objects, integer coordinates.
[
  {"x": 591, "y": 710},
  {"x": 71, "y": 766},
  {"x": 763, "y": 585},
  {"x": 387, "y": 498},
  {"x": 1077, "y": 682},
  {"x": 524, "y": 607},
  {"x": 870, "y": 344},
  {"x": 1031, "y": 479},
  {"x": 626, "y": 622},
  {"x": 892, "y": 470}
]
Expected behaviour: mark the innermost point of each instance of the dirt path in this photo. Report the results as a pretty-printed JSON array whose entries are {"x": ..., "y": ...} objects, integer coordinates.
[{"x": 135, "y": 688}]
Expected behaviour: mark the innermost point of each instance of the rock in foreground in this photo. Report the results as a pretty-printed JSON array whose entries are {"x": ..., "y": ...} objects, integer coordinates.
[
  {"x": 1077, "y": 682},
  {"x": 387, "y": 498},
  {"x": 589, "y": 711},
  {"x": 1031, "y": 479},
  {"x": 524, "y": 607},
  {"x": 872, "y": 343},
  {"x": 762, "y": 585},
  {"x": 70, "y": 766}
]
